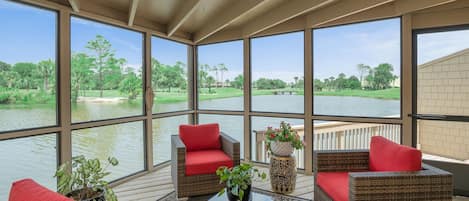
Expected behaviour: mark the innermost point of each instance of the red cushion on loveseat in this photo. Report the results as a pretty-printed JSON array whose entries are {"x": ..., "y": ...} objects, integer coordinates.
[
  {"x": 335, "y": 184},
  {"x": 206, "y": 161},
  {"x": 29, "y": 190},
  {"x": 386, "y": 155},
  {"x": 200, "y": 137}
]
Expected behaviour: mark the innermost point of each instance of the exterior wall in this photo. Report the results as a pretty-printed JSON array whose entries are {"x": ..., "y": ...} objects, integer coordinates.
[
  {"x": 443, "y": 88},
  {"x": 446, "y": 139}
]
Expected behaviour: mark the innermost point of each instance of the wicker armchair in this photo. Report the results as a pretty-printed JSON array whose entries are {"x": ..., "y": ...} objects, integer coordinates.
[
  {"x": 198, "y": 184},
  {"x": 429, "y": 183}
]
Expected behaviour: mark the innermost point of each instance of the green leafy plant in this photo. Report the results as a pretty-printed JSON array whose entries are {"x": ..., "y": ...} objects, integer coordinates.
[
  {"x": 238, "y": 178},
  {"x": 86, "y": 179},
  {"x": 283, "y": 134}
]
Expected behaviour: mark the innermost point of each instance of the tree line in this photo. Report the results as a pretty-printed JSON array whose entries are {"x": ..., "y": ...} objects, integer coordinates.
[
  {"x": 29, "y": 76},
  {"x": 209, "y": 78},
  {"x": 99, "y": 69},
  {"x": 376, "y": 78}
]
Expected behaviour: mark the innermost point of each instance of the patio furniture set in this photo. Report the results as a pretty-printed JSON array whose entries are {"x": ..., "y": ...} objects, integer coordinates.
[{"x": 387, "y": 171}]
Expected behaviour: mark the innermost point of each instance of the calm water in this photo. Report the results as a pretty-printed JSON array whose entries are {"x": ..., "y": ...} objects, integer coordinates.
[{"x": 35, "y": 156}]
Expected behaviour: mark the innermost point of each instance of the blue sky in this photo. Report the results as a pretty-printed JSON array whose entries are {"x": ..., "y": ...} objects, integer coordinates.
[
  {"x": 167, "y": 51},
  {"x": 435, "y": 45},
  {"x": 339, "y": 49},
  {"x": 230, "y": 53},
  {"x": 127, "y": 44},
  {"x": 29, "y": 35},
  {"x": 278, "y": 56}
]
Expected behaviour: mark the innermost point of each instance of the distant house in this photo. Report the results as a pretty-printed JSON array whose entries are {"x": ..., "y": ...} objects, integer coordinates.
[
  {"x": 443, "y": 88},
  {"x": 394, "y": 83}
]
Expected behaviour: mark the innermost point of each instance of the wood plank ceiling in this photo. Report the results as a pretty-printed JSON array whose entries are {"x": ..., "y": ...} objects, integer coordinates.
[{"x": 201, "y": 21}]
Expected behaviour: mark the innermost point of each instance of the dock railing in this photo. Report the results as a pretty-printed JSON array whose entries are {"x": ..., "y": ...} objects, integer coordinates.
[{"x": 334, "y": 136}]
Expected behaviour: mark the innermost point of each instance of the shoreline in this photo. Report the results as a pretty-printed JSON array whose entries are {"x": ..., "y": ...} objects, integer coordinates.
[{"x": 387, "y": 94}]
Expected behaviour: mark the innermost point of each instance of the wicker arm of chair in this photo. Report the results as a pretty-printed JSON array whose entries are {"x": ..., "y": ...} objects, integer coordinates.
[
  {"x": 178, "y": 159},
  {"x": 231, "y": 147},
  {"x": 340, "y": 160},
  {"x": 428, "y": 184}
]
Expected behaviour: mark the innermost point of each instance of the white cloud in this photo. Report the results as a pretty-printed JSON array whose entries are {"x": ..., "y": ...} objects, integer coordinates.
[
  {"x": 136, "y": 67},
  {"x": 129, "y": 45},
  {"x": 86, "y": 22}
]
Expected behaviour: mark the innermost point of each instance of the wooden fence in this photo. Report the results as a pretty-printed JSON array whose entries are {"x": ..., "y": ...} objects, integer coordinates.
[{"x": 334, "y": 136}]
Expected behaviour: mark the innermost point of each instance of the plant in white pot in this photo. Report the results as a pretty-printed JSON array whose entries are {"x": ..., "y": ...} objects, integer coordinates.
[
  {"x": 282, "y": 141},
  {"x": 86, "y": 181}
]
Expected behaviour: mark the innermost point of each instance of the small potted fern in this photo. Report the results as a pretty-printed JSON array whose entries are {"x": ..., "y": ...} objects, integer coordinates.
[
  {"x": 86, "y": 181},
  {"x": 238, "y": 181}
]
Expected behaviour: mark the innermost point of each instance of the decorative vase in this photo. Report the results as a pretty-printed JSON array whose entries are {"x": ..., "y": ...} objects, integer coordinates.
[
  {"x": 281, "y": 148},
  {"x": 232, "y": 197}
]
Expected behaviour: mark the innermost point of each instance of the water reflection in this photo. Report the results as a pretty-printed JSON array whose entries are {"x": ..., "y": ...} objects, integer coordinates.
[
  {"x": 123, "y": 141},
  {"x": 31, "y": 157},
  {"x": 163, "y": 128},
  {"x": 36, "y": 156}
]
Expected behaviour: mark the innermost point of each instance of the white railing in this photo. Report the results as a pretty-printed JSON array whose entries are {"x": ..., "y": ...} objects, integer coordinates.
[{"x": 335, "y": 136}]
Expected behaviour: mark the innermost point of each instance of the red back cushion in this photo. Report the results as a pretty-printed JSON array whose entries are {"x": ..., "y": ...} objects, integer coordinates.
[
  {"x": 200, "y": 137},
  {"x": 386, "y": 155},
  {"x": 29, "y": 190}
]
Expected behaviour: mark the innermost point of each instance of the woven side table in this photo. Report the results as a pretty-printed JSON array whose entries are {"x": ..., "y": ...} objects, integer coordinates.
[{"x": 283, "y": 174}]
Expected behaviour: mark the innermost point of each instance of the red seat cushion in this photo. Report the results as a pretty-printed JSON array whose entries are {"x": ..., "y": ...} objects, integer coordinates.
[
  {"x": 200, "y": 137},
  {"x": 386, "y": 155},
  {"x": 335, "y": 184},
  {"x": 206, "y": 161},
  {"x": 29, "y": 190}
]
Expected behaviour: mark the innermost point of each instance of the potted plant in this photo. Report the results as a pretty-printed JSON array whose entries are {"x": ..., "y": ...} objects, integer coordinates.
[
  {"x": 281, "y": 141},
  {"x": 86, "y": 181},
  {"x": 238, "y": 181}
]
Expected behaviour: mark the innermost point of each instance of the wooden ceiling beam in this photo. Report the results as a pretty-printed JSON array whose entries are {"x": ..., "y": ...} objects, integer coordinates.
[
  {"x": 75, "y": 4},
  {"x": 226, "y": 17},
  {"x": 132, "y": 11},
  {"x": 282, "y": 13},
  {"x": 188, "y": 7},
  {"x": 342, "y": 9},
  {"x": 394, "y": 9},
  {"x": 405, "y": 6}
]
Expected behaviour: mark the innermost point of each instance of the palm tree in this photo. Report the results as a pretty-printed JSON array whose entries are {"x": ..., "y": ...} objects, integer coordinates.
[
  {"x": 332, "y": 82},
  {"x": 215, "y": 68},
  {"x": 222, "y": 68},
  {"x": 210, "y": 81},
  {"x": 46, "y": 69},
  {"x": 296, "y": 81},
  {"x": 363, "y": 70},
  {"x": 203, "y": 73}
]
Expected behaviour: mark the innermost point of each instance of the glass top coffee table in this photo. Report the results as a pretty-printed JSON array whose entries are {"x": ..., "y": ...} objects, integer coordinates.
[
  {"x": 261, "y": 195},
  {"x": 257, "y": 195}
]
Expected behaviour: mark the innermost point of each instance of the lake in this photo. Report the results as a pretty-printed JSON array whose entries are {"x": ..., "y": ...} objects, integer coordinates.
[{"x": 35, "y": 156}]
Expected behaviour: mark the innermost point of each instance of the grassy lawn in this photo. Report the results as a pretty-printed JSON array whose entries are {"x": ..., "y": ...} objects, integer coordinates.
[
  {"x": 392, "y": 93},
  {"x": 232, "y": 92},
  {"x": 106, "y": 93},
  {"x": 218, "y": 93}
]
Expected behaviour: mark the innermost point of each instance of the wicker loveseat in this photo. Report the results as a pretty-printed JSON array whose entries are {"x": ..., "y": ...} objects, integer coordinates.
[
  {"x": 196, "y": 153},
  {"x": 387, "y": 171}
]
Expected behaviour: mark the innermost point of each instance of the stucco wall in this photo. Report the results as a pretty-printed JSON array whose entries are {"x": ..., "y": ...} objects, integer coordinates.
[{"x": 443, "y": 88}]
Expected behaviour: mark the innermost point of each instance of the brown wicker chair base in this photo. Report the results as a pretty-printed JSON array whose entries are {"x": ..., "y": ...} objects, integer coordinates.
[
  {"x": 187, "y": 186},
  {"x": 430, "y": 183},
  {"x": 319, "y": 194},
  {"x": 198, "y": 185}
]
